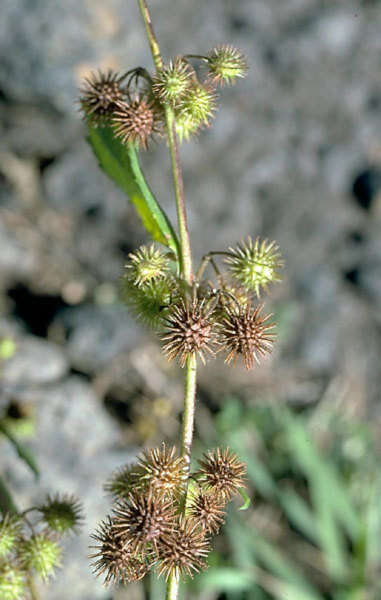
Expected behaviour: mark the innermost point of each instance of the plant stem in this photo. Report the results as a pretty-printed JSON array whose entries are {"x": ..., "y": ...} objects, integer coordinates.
[
  {"x": 172, "y": 588},
  {"x": 32, "y": 588},
  {"x": 155, "y": 50},
  {"x": 185, "y": 258},
  {"x": 186, "y": 271},
  {"x": 188, "y": 414}
]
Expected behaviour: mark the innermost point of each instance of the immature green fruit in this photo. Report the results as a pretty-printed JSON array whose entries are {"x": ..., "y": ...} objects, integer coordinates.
[
  {"x": 146, "y": 265},
  {"x": 61, "y": 513},
  {"x": 199, "y": 104},
  {"x": 12, "y": 582},
  {"x": 226, "y": 63},
  {"x": 41, "y": 554},
  {"x": 186, "y": 125},
  {"x": 255, "y": 264},
  {"x": 149, "y": 303},
  {"x": 172, "y": 81},
  {"x": 9, "y": 534},
  {"x": 122, "y": 481}
]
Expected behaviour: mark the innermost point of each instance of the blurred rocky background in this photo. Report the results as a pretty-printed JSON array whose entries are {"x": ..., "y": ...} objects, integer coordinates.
[{"x": 293, "y": 155}]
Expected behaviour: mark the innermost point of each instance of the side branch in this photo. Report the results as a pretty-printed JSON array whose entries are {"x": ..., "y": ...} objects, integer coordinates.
[
  {"x": 186, "y": 266},
  {"x": 155, "y": 50}
]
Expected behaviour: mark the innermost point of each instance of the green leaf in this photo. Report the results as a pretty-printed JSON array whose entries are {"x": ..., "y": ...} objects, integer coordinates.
[
  {"x": 121, "y": 164},
  {"x": 373, "y": 524},
  {"x": 284, "y": 590},
  {"x": 257, "y": 471},
  {"x": 264, "y": 552},
  {"x": 230, "y": 418},
  {"x": 226, "y": 579},
  {"x": 7, "y": 348},
  {"x": 246, "y": 499},
  {"x": 241, "y": 545},
  {"x": 21, "y": 450},
  {"x": 298, "y": 512},
  {"x": 6, "y": 501},
  {"x": 251, "y": 549},
  {"x": 330, "y": 497}
]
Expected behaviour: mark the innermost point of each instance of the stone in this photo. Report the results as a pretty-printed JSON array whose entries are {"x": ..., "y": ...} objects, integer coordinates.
[
  {"x": 35, "y": 362},
  {"x": 96, "y": 334},
  {"x": 77, "y": 447}
]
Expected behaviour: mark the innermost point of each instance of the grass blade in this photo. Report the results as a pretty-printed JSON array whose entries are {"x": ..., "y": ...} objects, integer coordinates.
[
  {"x": 21, "y": 450},
  {"x": 6, "y": 501}
]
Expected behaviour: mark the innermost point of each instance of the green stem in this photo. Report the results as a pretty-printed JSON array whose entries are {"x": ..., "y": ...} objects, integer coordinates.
[
  {"x": 6, "y": 501},
  {"x": 155, "y": 50},
  {"x": 198, "y": 56},
  {"x": 206, "y": 259},
  {"x": 172, "y": 588},
  {"x": 188, "y": 415},
  {"x": 185, "y": 269},
  {"x": 32, "y": 588},
  {"x": 186, "y": 260}
]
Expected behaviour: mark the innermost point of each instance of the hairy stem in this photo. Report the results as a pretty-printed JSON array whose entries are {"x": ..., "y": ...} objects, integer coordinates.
[{"x": 185, "y": 269}]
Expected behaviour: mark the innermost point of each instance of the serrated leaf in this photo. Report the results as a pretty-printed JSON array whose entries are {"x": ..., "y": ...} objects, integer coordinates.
[
  {"x": 121, "y": 164},
  {"x": 21, "y": 450}
]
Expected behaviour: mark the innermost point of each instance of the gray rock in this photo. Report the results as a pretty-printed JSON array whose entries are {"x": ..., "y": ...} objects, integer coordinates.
[
  {"x": 15, "y": 259},
  {"x": 96, "y": 334},
  {"x": 38, "y": 130},
  {"x": 35, "y": 362},
  {"x": 103, "y": 217},
  {"x": 279, "y": 162},
  {"x": 60, "y": 42},
  {"x": 76, "y": 448}
]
